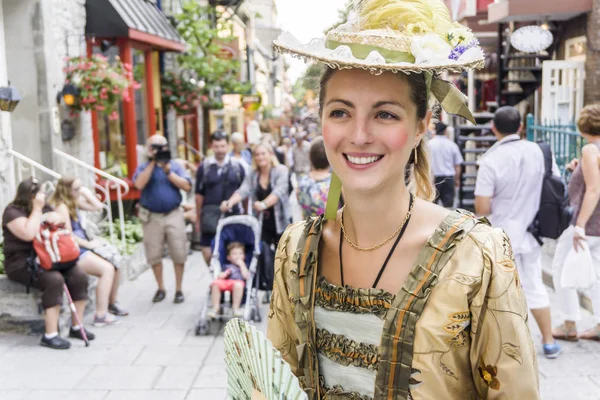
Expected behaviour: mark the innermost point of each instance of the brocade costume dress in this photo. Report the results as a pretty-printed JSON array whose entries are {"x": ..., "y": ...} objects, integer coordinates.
[{"x": 456, "y": 330}]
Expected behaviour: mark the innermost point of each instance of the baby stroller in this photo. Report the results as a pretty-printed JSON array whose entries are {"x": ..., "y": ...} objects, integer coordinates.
[{"x": 245, "y": 229}]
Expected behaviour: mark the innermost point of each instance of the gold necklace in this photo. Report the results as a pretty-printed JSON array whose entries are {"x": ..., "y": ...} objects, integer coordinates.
[{"x": 386, "y": 241}]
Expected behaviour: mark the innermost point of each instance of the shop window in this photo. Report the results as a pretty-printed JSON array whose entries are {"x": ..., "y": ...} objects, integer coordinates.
[
  {"x": 112, "y": 152},
  {"x": 141, "y": 94}
]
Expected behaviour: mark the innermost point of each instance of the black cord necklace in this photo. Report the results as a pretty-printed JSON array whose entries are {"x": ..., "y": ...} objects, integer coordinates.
[{"x": 389, "y": 254}]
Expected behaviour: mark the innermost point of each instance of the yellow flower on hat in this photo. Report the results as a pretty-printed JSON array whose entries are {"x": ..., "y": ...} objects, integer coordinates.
[{"x": 415, "y": 16}]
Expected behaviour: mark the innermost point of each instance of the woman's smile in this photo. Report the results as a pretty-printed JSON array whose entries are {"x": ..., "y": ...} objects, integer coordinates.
[{"x": 361, "y": 161}]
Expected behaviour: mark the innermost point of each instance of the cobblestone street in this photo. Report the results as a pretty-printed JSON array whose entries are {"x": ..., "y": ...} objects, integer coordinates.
[{"x": 154, "y": 354}]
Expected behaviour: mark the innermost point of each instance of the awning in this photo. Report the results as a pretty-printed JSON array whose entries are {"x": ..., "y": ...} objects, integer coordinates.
[
  {"x": 139, "y": 20},
  {"x": 528, "y": 10}
]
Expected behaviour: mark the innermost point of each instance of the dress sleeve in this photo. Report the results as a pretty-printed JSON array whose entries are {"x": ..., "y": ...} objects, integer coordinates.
[
  {"x": 503, "y": 360},
  {"x": 281, "y": 325}
]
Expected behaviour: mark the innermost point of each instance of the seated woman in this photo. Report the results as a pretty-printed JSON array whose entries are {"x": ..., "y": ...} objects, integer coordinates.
[
  {"x": 67, "y": 199},
  {"x": 20, "y": 224},
  {"x": 313, "y": 188}
]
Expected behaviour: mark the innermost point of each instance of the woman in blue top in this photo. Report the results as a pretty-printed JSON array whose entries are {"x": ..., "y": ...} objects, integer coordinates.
[{"x": 69, "y": 197}]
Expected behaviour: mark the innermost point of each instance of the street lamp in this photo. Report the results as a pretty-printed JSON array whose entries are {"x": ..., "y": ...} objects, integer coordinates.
[
  {"x": 9, "y": 98},
  {"x": 69, "y": 94}
]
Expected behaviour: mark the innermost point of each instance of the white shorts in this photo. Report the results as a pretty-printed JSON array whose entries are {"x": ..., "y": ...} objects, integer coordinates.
[{"x": 529, "y": 266}]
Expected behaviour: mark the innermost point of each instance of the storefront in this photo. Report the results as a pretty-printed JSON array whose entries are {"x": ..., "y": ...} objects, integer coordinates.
[{"x": 136, "y": 31}]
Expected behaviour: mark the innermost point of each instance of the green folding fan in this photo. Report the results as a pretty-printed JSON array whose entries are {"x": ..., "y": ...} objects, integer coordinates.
[{"x": 255, "y": 369}]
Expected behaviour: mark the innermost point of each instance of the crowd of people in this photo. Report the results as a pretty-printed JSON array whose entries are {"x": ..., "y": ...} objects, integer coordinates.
[{"x": 262, "y": 180}]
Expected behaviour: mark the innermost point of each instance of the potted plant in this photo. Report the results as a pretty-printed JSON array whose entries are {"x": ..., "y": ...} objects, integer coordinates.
[{"x": 100, "y": 85}]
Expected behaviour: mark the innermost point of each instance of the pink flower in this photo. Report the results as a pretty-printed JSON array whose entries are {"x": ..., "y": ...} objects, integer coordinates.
[
  {"x": 113, "y": 116},
  {"x": 136, "y": 86},
  {"x": 185, "y": 107},
  {"x": 116, "y": 91},
  {"x": 100, "y": 108},
  {"x": 177, "y": 103},
  {"x": 92, "y": 99},
  {"x": 103, "y": 96},
  {"x": 168, "y": 92}
]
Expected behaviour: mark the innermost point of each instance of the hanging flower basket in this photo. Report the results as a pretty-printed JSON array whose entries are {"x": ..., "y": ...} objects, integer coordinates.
[
  {"x": 180, "y": 94},
  {"x": 102, "y": 85}
]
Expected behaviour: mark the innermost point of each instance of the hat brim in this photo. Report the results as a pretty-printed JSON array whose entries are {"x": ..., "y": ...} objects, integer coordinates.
[{"x": 332, "y": 61}]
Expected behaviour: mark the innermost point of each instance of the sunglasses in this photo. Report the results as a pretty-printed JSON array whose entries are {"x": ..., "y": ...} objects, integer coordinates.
[{"x": 219, "y": 136}]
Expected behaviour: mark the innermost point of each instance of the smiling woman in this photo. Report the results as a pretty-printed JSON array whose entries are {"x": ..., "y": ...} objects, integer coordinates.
[{"x": 435, "y": 293}]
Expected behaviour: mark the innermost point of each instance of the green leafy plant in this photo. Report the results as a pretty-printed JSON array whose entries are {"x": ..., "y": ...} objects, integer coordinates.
[
  {"x": 101, "y": 85},
  {"x": 134, "y": 235},
  {"x": 207, "y": 32}
]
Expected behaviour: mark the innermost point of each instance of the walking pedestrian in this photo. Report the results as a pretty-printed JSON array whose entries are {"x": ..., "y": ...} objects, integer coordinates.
[
  {"x": 217, "y": 179},
  {"x": 160, "y": 180},
  {"x": 584, "y": 195},
  {"x": 313, "y": 188},
  {"x": 267, "y": 186},
  {"x": 301, "y": 154},
  {"x": 239, "y": 151},
  {"x": 508, "y": 191},
  {"x": 446, "y": 162}
]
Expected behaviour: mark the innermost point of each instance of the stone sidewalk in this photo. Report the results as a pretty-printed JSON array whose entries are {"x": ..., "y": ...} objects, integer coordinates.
[{"x": 154, "y": 354}]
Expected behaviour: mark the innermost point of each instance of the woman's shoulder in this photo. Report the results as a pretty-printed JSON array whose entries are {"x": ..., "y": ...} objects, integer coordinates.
[
  {"x": 299, "y": 232},
  {"x": 12, "y": 212},
  {"x": 482, "y": 247},
  {"x": 281, "y": 169}
]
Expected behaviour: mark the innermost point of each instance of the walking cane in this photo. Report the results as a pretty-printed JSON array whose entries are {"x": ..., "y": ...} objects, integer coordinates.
[{"x": 74, "y": 312}]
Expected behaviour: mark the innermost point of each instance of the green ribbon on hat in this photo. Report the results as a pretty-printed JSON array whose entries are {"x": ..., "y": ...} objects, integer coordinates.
[
  {"x": 362, "y": 51},
  {"x": 452, "y": 100}
]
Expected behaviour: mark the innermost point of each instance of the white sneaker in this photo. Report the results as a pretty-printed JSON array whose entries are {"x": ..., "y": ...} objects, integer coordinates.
[{"x": 239, "y": 313}]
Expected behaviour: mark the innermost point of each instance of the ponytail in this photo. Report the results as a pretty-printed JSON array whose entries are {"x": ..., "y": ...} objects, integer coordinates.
[{"x": 419, "y": 180}]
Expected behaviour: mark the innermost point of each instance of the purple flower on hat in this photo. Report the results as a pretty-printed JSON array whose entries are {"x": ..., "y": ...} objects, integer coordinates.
[{"x": 461, "y": 49}]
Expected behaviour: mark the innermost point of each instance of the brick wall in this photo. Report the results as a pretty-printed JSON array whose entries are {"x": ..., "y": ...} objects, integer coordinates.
[{"x": 592, "y": 64}]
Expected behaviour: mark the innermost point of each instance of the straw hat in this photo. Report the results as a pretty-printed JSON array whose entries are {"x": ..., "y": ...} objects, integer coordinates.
[{"x": 408, "y": 36}]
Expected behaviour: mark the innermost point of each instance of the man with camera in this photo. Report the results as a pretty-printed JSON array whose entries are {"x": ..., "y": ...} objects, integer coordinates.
[
  {"x": 217, "y": 179},
  {"x": 160, "y": 181}
]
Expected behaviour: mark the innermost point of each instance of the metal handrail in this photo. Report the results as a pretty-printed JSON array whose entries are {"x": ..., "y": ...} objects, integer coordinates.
[
  {"x": 35, "y": 164},
  {"x": 190, "y": 147},
  {"x": 111, "y": 183},
  {"x": 95, "y": 170}
]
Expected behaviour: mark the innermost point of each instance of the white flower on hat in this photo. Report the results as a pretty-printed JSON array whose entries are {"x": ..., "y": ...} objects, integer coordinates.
[
  {"x": 472, "y": 54},
  {"x": 430, "y": 48}
]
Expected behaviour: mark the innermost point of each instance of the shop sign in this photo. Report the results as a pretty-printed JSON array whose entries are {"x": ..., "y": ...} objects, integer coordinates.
[
  {"x": 252, "y": 102},
  {"x": 226, "y": 53}
]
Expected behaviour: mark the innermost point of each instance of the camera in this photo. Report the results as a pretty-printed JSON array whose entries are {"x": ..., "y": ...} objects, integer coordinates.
[{"x": 163, "y": 156}]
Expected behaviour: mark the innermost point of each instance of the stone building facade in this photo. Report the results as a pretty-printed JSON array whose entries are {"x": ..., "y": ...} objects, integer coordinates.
[{"x": 38, "y": 35}]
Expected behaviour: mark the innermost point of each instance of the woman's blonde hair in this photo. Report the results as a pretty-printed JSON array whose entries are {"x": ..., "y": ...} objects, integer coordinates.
[
  {"x": 589, "y": 120},
  {"x": 418, "y": 175},
  {"x": 63, "y": 194},
  {"x": 269, "y": 149}
]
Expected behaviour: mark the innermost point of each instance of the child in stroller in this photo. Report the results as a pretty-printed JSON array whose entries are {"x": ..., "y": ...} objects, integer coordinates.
[
  {"x": 245, "y": 230},
  {"x": 232, "y": 279}
]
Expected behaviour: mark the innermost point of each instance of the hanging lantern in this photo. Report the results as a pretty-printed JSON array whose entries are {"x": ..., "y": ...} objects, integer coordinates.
[
  {"x": 9, "y": 98},
  {"x": 69, "y": 94}
]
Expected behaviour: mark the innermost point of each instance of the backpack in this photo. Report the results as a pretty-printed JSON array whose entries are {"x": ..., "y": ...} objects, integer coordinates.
[
  {"x": 55, "y": 247},
  {"x": 554, "y": 215}
]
